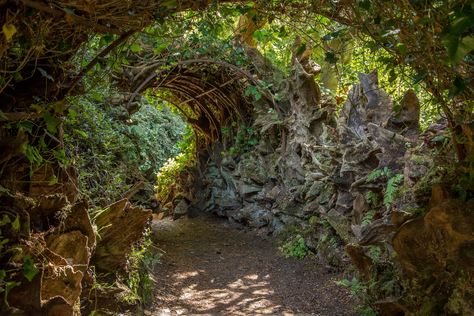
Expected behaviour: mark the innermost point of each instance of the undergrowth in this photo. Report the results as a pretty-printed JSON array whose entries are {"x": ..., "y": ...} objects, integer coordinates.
[
  {"x": 113, "y": 150},
  {"x": 168, "y": 174},
  {"x": 295, "y": 247},
  {"x": 140, "y": 283}
]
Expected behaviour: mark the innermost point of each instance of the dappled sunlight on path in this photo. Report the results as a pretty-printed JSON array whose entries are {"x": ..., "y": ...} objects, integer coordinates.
[{"x": 211, "y": 267}]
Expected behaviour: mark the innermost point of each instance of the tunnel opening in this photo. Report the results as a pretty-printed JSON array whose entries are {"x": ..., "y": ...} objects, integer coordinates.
[{"x": 210, "y": 96}]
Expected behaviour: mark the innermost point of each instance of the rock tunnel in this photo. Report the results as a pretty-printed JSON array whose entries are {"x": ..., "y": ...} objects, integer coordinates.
[{"x": 343, "y": 179}]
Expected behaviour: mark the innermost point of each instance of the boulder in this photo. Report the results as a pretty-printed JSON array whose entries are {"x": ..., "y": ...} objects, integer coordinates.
[
  {"x": 181, "y": 209},
  {"x": 253, "y": 216}
]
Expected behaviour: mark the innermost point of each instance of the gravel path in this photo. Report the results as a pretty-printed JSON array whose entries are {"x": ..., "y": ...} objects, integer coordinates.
[{"x": 210, "y": 267}]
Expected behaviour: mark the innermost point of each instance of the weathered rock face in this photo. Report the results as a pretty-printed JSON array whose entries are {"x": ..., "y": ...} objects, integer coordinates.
[
  {"x": 52, "y": 230},
  {"x": 437, "y": 252},
  {"x": 333, "y": 181},
  {"x": 62, "y": 235}
]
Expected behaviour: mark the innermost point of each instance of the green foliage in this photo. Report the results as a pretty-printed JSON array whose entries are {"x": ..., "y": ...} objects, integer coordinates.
[
  {"x": 378, "y": 173},
  {"x": 354, "y": 285},
  {"x": 169, "y": 172},
  {"x": 368, "y": 218},
  {"x": 372, "y": 198},
  {"x": 29, "y": 268},
  {"x": 295, "y": 247},
  {"x": 16, "y": 263},
  {"x": 254, "y": 92},
  {"x": 391, "y": 189},
  {"x": 142, "y": 260},
  {"x": 375, "y": 253},
  {"x": 114, "y": 150},
  {"x": 244, "y": 140}
]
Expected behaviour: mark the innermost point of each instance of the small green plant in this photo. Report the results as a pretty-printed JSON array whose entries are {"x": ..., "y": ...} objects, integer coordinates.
[
  {"x": 391, "y": 189},
  {"x": 254, "y": 92},
  {"x": 295, "y": 247},
  {"x": 142, "y": 261},
  {"x": 366, "y": 311},
  {"x": 174, "y": 166},
  {"x": 10, "y": 226},
  {"x": 359, "y": 289},
  {"x": 377, "y": 173},
  {"x": 368, "y": 217},
  {"x": 244, "y": 141},
  {"x": 375, "y": 253},
  {"x": 372, "y": 198},
  {"x": 393, "y": 183},
  {"x": 354, "y": 285}
]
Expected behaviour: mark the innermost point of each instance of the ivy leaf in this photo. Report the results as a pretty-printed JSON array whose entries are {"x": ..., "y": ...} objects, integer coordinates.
[
  {"x": 53, "y": 180},
  {"x": 27, "y": 126},
  {"x": 402, "y": 48},
  {"x": 9, "y": 30},
  {"x": 159, "y": 48},
  {"x": 16, "y": 224},
  {"x": 81, "y": 133},
  {"x": 5, "y": 220},
  {"x": 135, "y": 48},
  {"x": 106, "y": 40},
  {"x": 29, "y": 268},
  {"x": 253, "y": 91},
  {"x": 60, "y": 155},
  {"x": 52, "y": 122}
]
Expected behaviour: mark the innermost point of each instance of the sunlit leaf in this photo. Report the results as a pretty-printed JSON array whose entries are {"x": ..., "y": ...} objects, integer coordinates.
[
  {"x": 5, "y": 220},
  {"x": 29, "y": 268},
  {"x": 135, "y": 48},
  {"x": 16, "y": 224},
  {"x": 402, "y": 48},
  {"x": 9, "y": 30},
  {"x": 81, "y": 133},
  {"x": 52, "y": 122},
  {"x": 53, "y": 180}
]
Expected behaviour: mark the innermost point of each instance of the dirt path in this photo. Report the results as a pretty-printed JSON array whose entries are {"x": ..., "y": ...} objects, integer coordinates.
[{"x": 212, "y": 267}]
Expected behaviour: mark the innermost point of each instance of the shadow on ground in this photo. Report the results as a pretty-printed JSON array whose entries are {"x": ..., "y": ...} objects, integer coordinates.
[{"x": 212, "y": 267}]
